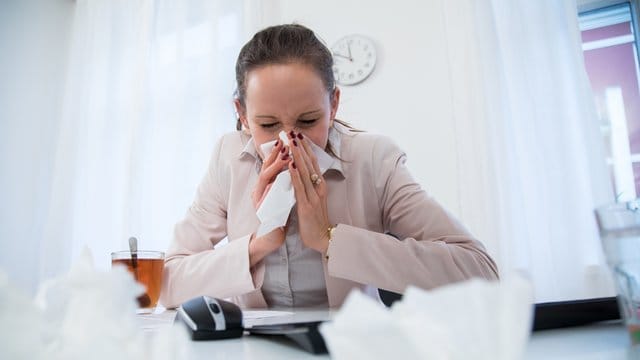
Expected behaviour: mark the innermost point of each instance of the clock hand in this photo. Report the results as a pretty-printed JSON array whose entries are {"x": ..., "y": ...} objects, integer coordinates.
[
  {"x": 349, "y": 48},
  {"x": 342, "y": 56}
]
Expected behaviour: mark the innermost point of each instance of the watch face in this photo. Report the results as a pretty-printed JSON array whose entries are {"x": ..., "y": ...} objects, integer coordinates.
[{"x": 354, "y": 58}]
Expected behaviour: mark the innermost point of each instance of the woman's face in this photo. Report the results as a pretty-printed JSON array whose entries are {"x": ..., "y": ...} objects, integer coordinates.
[{"x": 287, "y": 97}]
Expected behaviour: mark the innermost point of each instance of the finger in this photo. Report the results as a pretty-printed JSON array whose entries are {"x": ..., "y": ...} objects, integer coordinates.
[
  {"x": 274, "y": 153},
  {"x": 312, "y": 156},
  {"x": 298, "y": 186},
  {"x": 307, "y": 158},
  {"x": 271, "y": 170},
  {"x": 301, "y": 161},
  {"x": 312, "y": 164}
]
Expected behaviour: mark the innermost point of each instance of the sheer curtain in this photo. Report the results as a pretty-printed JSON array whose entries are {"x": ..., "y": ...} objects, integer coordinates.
[
  {"x": 530, "y": 155},
  {"x": 148, "y": 89}
]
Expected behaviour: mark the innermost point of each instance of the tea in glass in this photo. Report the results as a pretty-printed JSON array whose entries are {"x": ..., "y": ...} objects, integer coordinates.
[{"x": 146, "y": 268}]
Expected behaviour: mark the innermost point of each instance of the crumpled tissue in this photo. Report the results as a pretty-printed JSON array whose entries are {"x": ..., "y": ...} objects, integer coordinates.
[
  {"x": 475, "y": 319},
  {"x": 85, "y": 314},
  {"x": 277, "y": 204},
  {"x": 18, "y": 319}
]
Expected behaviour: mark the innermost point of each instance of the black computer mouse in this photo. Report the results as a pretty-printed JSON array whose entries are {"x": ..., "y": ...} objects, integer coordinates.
[{"x": 209, "y": 318}]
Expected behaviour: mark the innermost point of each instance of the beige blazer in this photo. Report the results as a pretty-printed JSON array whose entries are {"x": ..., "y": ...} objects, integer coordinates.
[{"x": 370, "y": 193}]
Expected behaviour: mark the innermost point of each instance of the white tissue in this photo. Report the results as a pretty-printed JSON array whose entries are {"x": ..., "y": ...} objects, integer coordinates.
[
  {"x": 85, "y": 314},
  {"x": 277, "y": 204},
  {"x": 18, "y": 319},
  {"x": 469, "y": 320},
  {"x": 268, "y": 146}
]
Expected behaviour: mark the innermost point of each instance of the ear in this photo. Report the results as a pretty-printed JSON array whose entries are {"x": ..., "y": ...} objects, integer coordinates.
[
  {"x": 335, "y": 102},
  {"x": 242, "y": 114}
]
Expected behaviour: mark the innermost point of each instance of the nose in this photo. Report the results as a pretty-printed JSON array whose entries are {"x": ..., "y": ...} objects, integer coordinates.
[{"x": 289, "y": 129}]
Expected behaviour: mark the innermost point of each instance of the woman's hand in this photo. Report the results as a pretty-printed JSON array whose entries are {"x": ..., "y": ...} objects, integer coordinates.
[
  {"x": 275, "y": 163},
  {"x": 311, "y": 194}
]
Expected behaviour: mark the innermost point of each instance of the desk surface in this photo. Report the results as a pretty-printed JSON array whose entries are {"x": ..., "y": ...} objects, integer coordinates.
[{"x": 607, "y": 340}]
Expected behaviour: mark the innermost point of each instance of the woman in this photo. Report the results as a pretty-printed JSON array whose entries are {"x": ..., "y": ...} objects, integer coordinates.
[{"x": 337, "y": 235}]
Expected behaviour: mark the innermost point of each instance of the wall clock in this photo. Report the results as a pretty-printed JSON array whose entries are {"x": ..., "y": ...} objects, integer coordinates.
[{"x": 354, "y": 57}]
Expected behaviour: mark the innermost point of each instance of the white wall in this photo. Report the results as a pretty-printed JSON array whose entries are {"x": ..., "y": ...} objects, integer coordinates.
[
  {"x": 34, "y": 36},
  {"x": 392, "y": 100}
]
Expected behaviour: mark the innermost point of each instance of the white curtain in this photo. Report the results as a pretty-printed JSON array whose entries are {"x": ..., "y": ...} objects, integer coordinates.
[
  {"x": 148, "y": 89},
  {"x": 531, "y": 158}
]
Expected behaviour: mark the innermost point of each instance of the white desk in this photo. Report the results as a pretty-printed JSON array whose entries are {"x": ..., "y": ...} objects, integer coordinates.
[
  {"x": 600, "y": 341},
  {"x": 607, "y": 340}
]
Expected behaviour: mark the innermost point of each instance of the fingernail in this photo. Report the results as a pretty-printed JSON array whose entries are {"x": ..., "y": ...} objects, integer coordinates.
[
  {"x": 283, "y": 150},
  {"x": 277, "y": 143},
  {"x": 294, "y": 165},
  {"x": 300, "y": 136},
  {"x": 294, "y": 143},
  {"x": 292, "y": 134},
  {"x": 285, "y": 157}
]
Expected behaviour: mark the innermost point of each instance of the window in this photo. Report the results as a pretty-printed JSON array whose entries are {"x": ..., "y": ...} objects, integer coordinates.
[{"x": 609, "y": 43}]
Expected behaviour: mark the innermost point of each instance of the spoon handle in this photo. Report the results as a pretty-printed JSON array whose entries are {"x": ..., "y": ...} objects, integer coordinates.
[{"x": 133, "y": 248}]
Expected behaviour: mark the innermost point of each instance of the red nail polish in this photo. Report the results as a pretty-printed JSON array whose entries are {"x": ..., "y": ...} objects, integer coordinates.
[
  {"x": 294, "y": 143},
  {"x": 300, "y": 136},
  {"x": 285, "y": 157},
  {"x": 277, "y": 143},
  {"x": 292, "y": 134},
  {"x": 283, "y": 150},
  {"x": 294, "y": 165}
]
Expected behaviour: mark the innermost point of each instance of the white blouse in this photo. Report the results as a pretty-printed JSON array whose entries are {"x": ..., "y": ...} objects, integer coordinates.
[{"x": 294, "y": 275}]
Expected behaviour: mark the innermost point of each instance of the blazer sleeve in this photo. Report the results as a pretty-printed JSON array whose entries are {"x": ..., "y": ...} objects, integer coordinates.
[
  {"x": 431, "y": 249},
  {"x": 192, "y": 266}
]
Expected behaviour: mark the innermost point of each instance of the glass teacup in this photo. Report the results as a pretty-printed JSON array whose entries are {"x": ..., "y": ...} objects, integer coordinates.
[{"x": 146, "y": 268}]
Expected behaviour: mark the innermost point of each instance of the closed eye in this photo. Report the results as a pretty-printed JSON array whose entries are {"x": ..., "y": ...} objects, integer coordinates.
[
  {"x": 308, "y": 122},
  {"x": 268, "y": 126}
]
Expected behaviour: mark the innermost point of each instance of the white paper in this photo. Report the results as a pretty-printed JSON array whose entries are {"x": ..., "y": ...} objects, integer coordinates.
[
  {"x": 470, "y": 320},
  {"x": 277, "y": 204},
  {"x": 156, "y": 321},
  {"x": 263, "y": 314}
]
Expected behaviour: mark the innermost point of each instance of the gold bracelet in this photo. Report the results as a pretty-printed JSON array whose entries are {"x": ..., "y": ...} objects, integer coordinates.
[{"x": 330, "y": 231}]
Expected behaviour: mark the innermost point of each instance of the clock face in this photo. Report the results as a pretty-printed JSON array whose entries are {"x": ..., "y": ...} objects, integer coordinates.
[{"x": 354, "y": 58}]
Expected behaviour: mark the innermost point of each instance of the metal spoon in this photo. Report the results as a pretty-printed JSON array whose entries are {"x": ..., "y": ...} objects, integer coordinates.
[
  {"x": 133, "y": 248},
  {"x": 143, "y": 300}
]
